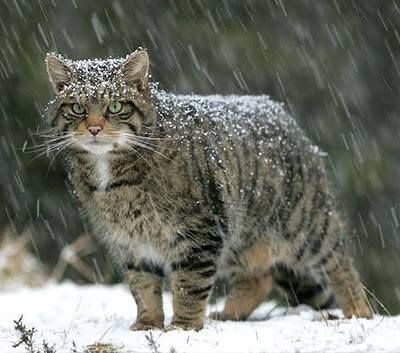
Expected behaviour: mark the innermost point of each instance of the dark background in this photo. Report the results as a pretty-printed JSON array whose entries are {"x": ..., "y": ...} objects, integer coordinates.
[{"x": 336, "y": 65}]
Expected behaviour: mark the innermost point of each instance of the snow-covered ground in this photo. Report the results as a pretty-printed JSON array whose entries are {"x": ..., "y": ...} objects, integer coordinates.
[{"x": 67, "y": 313}]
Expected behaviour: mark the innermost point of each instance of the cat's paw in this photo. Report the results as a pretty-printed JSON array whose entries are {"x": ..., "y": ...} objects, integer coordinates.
[
  {"x": 221, "y": 316},
  {"x": 145, "y": 326},
  {"x": 361, "y": 311}
]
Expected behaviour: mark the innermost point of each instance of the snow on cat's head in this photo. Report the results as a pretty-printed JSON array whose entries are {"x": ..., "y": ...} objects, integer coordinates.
[{"x": 100, "y": 105}]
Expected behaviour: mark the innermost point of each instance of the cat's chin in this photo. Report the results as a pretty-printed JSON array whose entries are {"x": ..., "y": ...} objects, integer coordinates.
[{"x": 98, "y": 148}]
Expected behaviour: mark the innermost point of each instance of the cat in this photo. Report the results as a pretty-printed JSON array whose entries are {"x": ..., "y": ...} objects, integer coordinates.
[{"x": 194, "y": 188}]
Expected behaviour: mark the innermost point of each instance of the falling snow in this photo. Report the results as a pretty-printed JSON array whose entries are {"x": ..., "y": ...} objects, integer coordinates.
[{"x": 335, "y": 64}]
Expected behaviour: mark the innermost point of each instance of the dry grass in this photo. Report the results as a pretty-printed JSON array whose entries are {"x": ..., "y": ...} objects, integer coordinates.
[{"x": 102, "y": 348}]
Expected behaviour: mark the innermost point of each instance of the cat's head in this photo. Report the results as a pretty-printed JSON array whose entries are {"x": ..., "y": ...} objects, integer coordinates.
[{"x": 100, "y": 105}]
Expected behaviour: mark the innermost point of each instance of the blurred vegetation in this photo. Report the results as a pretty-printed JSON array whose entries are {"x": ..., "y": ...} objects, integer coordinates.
[{"x": 336, "y": 65}]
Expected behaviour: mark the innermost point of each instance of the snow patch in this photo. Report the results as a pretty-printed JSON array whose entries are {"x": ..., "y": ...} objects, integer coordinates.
[{"x": 68, "y": 313}]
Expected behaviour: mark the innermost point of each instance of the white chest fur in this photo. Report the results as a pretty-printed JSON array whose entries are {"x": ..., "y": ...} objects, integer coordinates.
[
  {"x": 148, "y": 253},
  {"x": 102, "y": 170},
  {"x": 129, "y": 249}
]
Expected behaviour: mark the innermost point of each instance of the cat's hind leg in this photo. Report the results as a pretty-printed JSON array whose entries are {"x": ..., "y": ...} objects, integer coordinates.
[
  {"x": 250, "y": 282},
  {"x": 348, "y": 289},
  {"x": 303, "y": 287},
  {"x": 247, "y": 291}
]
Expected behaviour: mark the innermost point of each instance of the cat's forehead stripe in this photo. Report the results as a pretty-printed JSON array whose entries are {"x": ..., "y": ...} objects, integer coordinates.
[
  {"x": 95, "y": 67},
  {"x": 91, "y": 77}
]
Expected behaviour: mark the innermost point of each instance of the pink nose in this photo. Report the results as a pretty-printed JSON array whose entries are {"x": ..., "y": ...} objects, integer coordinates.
[{"x": 94, "y": 130}]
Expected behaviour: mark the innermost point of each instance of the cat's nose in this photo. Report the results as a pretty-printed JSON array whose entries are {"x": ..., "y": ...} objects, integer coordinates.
[{"x": 94, "y": 130}]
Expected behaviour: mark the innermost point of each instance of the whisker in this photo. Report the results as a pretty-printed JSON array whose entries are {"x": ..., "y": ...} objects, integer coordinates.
[
  {"x": 134, "y": 140},
  {"x": 51, "y": 148},
  {"x": 42, "y": 132},
  {"x": 137, "y": 152},
  {"x": 45, "y": 144},
  {"x": 52, "y": 135},
  {"x": 142, "y": 139},
  {"x": 149, "y": 128},
  {"x": 153, "y": 138},
  {"x": 46, "y": 152},
  {"x": 146, "y": 137},
  {"x": 57, "y": 153},
  {"x": 149, "y": 147}
]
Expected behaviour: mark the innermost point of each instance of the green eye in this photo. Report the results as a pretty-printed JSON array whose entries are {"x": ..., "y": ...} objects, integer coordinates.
[
  {"x": 115, "y": 107},
  {"x": 78, "y": 109}
]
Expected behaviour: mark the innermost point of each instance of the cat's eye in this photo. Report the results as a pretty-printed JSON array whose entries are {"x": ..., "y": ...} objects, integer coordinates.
[
  {"x": 78, "y": 109},
  {"x": 115, "y": 107}
]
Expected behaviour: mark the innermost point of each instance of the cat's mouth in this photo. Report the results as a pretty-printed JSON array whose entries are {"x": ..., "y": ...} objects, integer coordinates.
[{"x": 101, "y": 144}]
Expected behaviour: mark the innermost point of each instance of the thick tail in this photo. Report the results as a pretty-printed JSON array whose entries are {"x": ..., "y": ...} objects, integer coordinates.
[{"x": 302, "y": 288}]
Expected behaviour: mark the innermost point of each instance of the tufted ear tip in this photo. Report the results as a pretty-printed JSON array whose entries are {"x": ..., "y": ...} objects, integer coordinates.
[
  {"x": 135, "y": 68},
  {"x": 58, "y": 71}
]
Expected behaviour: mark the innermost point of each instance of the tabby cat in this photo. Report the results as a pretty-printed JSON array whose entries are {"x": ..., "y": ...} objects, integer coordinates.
[{"x": 195, "y": 188}]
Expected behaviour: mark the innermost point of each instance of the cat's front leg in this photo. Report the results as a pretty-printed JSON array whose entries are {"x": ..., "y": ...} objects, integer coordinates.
[
  {"x": 145, "y": 284},
  {"x": 191, "y": 283}
]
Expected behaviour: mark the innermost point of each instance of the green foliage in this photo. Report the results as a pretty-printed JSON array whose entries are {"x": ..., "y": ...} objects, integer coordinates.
[{"x": 26, "y": 339}]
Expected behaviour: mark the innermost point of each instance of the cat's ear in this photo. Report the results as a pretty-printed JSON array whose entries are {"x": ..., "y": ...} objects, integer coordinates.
[
  {"x": 135, "y": 69},
  {"x": 59, "y": 72}
]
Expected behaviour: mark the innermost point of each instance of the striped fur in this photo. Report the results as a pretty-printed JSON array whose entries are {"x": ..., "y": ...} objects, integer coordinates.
[{"x": 209, "y": 187}]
